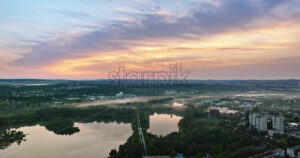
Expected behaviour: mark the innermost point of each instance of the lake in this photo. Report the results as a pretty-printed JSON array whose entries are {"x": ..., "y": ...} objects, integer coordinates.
[
  {"x": 95, "y": 140},
  {"x": 163, "y": 124}
]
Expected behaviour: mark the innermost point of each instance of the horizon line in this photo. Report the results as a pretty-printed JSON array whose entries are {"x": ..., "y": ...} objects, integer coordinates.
[{"x": 150, "y": 79}]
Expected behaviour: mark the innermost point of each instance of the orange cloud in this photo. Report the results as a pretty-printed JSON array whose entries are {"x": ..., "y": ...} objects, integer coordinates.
[{"x": 234, "y": 48}]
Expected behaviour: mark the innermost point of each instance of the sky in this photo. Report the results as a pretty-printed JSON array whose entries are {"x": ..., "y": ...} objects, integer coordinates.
[{"x": 212, "y": 39}]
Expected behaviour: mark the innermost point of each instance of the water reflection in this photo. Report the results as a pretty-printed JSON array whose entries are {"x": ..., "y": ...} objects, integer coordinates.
[
  {"x": 95, "y": 140},
  {"x": 62, "y": 127},
  {"x": 8, "y": 137},
  {"x": 163, "y": 124}
]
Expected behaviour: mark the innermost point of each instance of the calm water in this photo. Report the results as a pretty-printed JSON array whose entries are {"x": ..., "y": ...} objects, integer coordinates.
[
  {"x": 163, "y": 124},
  {"x": 95, "y": 140}
]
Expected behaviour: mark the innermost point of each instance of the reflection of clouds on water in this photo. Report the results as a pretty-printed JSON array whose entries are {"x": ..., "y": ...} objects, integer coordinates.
[
  {"x": 163, "y": 124},
  {"x": 112, "y": 131},
  {"x": 95, "y": 140}
]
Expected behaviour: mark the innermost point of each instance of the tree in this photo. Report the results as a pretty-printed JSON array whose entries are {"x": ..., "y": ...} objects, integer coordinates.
[{"x": 113, "y": 154}]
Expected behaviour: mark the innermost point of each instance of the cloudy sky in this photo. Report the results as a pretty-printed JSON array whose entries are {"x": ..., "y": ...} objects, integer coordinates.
[{"x": 213, "y": 39}]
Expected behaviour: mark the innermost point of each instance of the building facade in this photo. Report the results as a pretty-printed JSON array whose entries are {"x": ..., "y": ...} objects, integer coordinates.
[
  {"x": 261, "y": 123},
  {"x": 277, "y": 123},
  {"x": 252, "y": 119}
]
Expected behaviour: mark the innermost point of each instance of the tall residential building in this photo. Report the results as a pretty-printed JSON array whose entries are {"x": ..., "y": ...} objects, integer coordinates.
[
  {"x": 252, "y": 119},
  {"x": 277, "y": 123},
  {"x": 261, "y": 123}
]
